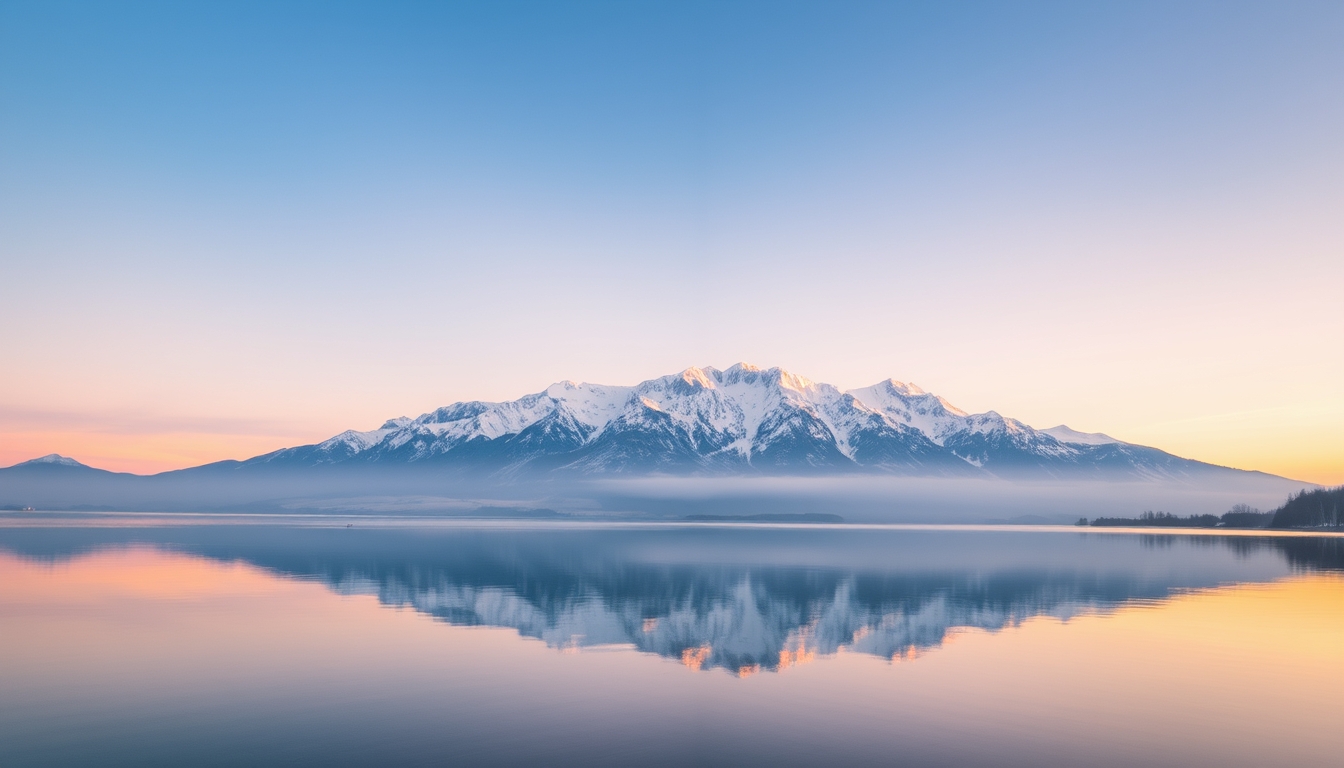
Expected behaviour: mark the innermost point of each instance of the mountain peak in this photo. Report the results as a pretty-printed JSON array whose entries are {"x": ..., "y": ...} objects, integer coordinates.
[
  {"x": 1064, "y": 434},
  {"x": 52, "y": 459},
  {"x": 792, "y": 380},
  {"x": 699, "y": 377},
  {"x": 901, "y": 387}
]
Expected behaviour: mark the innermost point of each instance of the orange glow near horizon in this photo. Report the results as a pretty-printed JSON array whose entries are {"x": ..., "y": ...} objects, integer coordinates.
[{"x": 144, "y": 454}]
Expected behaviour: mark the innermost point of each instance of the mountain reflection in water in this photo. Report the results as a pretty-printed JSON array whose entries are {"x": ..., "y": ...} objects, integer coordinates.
[{"x": 742, "y": 599}]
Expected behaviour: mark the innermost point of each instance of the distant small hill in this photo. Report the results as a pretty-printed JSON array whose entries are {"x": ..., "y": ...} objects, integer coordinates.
[
  {"x": 52, "y": 460},
  {"x": 1312, "y": 509}
]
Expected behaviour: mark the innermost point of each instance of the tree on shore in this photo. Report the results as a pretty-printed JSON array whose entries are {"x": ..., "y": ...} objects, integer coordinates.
[
  {"x": 1246, "y": 516},
  {"x": 1312, "y": 509}
]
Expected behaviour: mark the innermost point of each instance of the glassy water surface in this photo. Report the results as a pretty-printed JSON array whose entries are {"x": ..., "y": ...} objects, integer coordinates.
[{"x": 144, "y": 641}]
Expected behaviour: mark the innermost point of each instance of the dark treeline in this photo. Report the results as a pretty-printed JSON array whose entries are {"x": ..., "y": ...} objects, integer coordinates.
[
  {"x": 1240, "y": 516},
  {"x": 1321, "y": 508},
  {"x": 1159, "y": 520},
  {"x": 1312, "y": 509}
]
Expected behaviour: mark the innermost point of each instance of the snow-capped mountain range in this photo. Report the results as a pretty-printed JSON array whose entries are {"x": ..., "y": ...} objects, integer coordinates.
[{"x": 740, "y": 420}]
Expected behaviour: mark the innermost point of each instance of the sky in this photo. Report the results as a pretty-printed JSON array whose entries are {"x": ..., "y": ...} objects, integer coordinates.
[{"x": 226, "y": 228}]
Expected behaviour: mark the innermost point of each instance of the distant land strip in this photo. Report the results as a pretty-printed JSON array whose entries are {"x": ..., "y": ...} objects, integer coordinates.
[
  {"x": 1320, "y": 508},
  {"x": 806, "y": 517}
]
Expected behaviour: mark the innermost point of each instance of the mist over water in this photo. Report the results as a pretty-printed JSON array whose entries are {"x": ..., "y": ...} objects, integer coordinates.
[{"x": 855, "y": 498}]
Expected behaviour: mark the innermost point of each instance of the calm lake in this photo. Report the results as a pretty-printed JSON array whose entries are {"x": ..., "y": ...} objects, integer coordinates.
[{"x": 192, "y": 640}]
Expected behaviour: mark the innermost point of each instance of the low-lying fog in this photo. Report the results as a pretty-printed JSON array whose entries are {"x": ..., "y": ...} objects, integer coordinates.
[{"x": 855, "y": 498}]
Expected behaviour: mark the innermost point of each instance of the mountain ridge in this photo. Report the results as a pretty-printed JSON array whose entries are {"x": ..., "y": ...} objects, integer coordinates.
[{"x": 742, "y": 419}]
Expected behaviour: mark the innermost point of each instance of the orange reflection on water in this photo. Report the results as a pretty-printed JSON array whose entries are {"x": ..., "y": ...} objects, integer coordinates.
[
  {"x": 1298, "y": 620},
  {"x": 1195, "y": 673},
  {"x": 150, "y": 624},
  {"x": 129, "y": 573},
  {"x": 909, "y": 654},
  {"x": 792, "y": 657},
  {"x": 695, "y": 658}
]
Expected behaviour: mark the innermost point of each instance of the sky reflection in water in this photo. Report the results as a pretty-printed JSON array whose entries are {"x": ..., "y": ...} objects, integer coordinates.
[{"x": 331, "y": 645}]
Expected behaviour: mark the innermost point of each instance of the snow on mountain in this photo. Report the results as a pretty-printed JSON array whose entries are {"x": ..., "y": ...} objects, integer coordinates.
[
  {"x": 909, "y": 404},
  {"x": 51, "y": 459},
  {"x": 1065, "y": 435},
  {"x": 740, "y": 419}
]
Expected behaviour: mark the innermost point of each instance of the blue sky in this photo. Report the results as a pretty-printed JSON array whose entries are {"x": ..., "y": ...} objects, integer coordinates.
[{"x": 229, "y": 227}]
